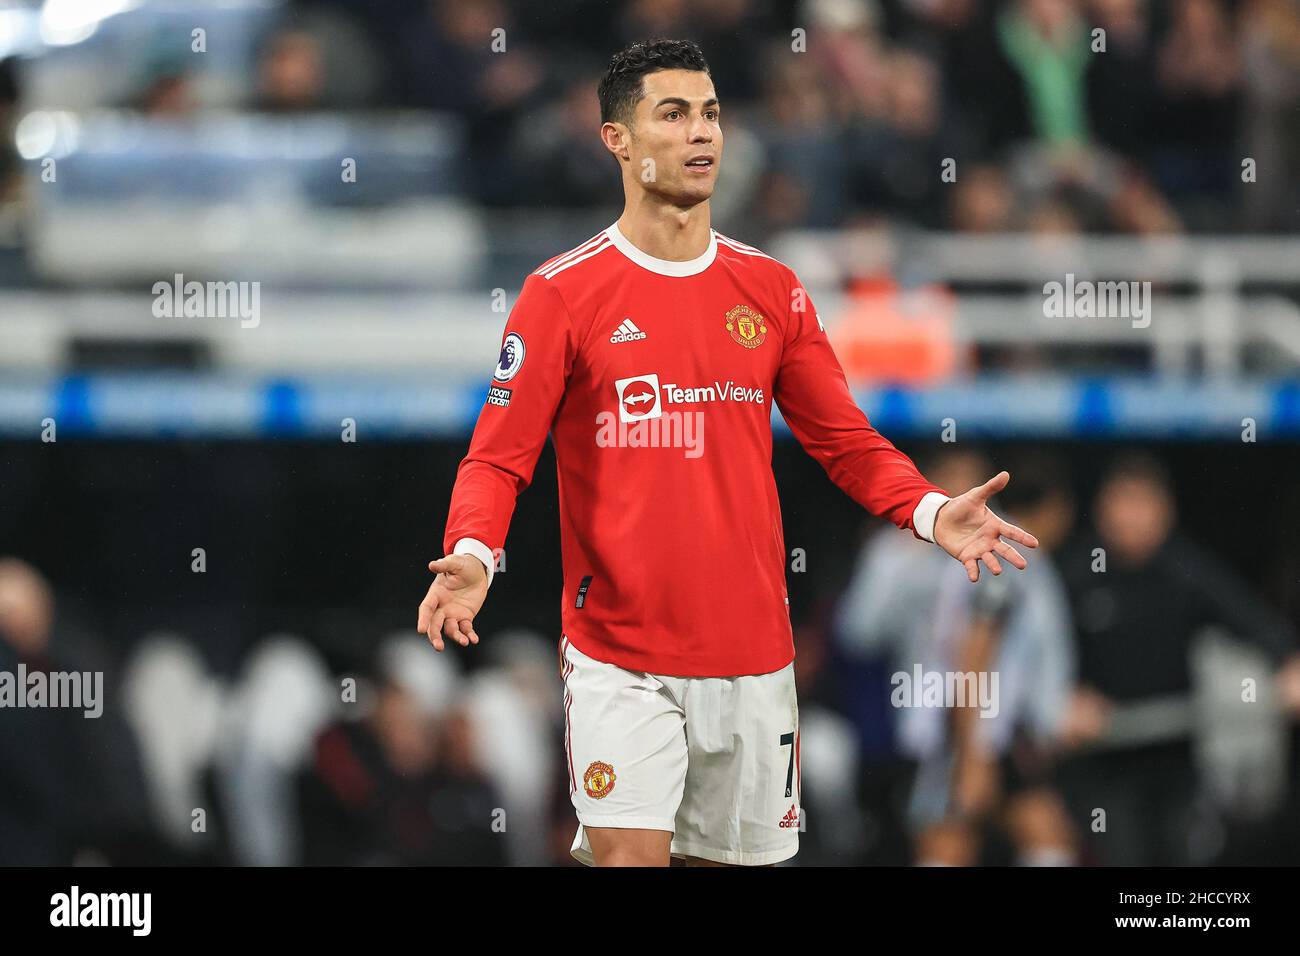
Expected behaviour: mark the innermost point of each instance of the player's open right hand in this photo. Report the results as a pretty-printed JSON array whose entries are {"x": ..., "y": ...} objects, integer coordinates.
[{"x": 454, "y": 598}]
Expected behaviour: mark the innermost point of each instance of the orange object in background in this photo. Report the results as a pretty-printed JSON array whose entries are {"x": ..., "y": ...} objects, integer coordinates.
[{"x": 890, "y": 335}]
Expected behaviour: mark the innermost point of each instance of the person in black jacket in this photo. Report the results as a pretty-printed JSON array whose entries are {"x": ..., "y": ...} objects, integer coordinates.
[{"x": 1142, "y": 593}]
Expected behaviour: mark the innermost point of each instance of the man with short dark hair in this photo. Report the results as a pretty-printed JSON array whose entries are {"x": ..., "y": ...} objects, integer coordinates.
[
  {"x": 652, "y": 353},
  {"x": 1142, "y": 593}
]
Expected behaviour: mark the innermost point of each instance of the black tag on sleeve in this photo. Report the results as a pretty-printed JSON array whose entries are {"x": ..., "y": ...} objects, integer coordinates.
[{"x": 582, "y": 591}]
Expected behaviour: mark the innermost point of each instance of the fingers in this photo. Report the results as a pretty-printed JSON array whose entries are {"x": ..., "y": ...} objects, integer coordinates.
[
  {"x": 992, "y": 562},
  {"x": 451, "y": 628},
  {"x": 1011, "y": 554},
  {"x": 991, "y": 487},
  {"x": 1009, "y": 530},
  {"x": 972, "y": 569},
  {"x": 443, "y": 624},
  {"x": 435, "y": 628},
  {"x": 467, "y": 628}
]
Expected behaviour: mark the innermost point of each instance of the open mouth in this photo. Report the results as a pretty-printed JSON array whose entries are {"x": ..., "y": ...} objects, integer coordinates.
[{"x": 700, "y": 164}]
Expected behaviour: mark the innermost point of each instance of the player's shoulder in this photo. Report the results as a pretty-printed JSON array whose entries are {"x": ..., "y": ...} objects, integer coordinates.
[
  {"x": 751, "y": 257},
  {"x": 583, "y": 258}
]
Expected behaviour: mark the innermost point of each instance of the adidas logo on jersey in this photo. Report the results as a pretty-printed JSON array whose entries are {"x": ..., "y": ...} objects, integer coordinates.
[
  {"x": 791, "y": 819},
  {"x": 626, "y": 332}
]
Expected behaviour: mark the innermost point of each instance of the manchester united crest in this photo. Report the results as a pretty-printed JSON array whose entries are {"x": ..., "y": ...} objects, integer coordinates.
[
  {"x": 599, "y": 779},
  {"x": 746, "y": 326}
]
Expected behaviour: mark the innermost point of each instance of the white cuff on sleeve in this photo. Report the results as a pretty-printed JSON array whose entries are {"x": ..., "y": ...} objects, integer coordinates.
[
  {"x": 482, "y": 552},
  {"x": 927, "y": 509}
]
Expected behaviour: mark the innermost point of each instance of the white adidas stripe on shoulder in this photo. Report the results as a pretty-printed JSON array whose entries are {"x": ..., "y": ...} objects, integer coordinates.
[
  {"x": 593, "y": 251},
  {"x": 553, "y": 267},
  {"x": 741, "y": 247},
  {"x": 563, "y": 256}
]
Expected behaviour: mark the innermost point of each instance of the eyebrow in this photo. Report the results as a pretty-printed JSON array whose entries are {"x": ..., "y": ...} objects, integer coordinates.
[{"x": 679, "y": 101}]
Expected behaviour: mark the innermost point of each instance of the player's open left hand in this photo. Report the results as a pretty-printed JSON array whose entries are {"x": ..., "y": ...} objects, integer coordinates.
[
  {"x": 454, "y": 597},
  {"x": 970, "y": 532}
]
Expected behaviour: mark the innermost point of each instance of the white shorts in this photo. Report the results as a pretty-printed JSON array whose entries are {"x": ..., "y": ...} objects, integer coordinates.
[{"x": 713, "y": 760}]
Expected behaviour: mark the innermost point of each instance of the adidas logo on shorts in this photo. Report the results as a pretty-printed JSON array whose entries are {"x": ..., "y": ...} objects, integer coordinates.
[
  {"x": 791, "y": 819},
  {"x": 626, "y": 332}
]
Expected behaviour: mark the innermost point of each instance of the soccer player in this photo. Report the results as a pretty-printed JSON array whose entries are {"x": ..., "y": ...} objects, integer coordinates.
[{"x": 652, "y": 354}]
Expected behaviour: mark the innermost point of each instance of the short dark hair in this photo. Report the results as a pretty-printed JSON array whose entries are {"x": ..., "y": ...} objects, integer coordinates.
[
  {"x": 1036, "y": 477},
  {"x": 1139, "y": 466},
  {"x": 622, "y": 86}
]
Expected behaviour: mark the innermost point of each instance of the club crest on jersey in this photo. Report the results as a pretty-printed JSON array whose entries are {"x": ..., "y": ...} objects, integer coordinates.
[
  {"x": 746, "y": 326},
  {"x": 599, "y": 779},
  {"x": 511, "y": 359}
]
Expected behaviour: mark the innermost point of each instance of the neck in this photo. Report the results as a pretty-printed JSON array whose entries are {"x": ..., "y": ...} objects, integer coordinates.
[{"x": 666, "y": 231}]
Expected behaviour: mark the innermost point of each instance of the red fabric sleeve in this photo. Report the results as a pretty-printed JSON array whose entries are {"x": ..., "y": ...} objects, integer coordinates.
[
  {"x": 507, "y": 439},
  {"x": 815, "y": 401}
]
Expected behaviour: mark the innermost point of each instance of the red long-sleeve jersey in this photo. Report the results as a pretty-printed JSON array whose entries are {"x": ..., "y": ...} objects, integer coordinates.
[{"x": 655, "y": 379}]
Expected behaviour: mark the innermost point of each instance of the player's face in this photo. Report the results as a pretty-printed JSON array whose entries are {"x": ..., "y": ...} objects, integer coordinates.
[{"x": 676, "y": 136}]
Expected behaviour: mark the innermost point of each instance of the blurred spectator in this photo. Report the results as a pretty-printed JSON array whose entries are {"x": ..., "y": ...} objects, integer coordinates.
[
  {"x": 731, "y": 32},
  {"x": 1136, "y": 621},
  {"x": 401, "y": 786},
  {"x": 560, "y": 152},
  {"x": 1047, "y": 46},
  {"x": 315, "y": 61},
  {"x": 981, "y": 201},
  {"x": 639, "y": 19},
  {"x": 11, "y": 179},
  {"x": 882, "y": 624},
  {"x": 1271, "y": 137},
  {"x": 73, "y": 783},
  {"x": 1199, "y": 90},
  {"x": 510, "y": 706},
  {"x": 1121, "y": 81},
  {"x": 467, "y": 57},
  {"x": 994, "y": 770},
  {"x": 805, "y": 176},
  {"x": 897, "y": 157},
  {"x": 291, "y": 74},
  {"x": 164, "y": 86}
]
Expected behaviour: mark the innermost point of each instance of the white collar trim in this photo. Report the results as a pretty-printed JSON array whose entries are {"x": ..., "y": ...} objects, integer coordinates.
[{"x": 665, "y": 267}]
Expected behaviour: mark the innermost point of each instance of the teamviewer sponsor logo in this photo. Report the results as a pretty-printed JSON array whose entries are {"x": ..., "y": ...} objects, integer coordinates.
[
  {"x": 638, "y": 398},
  {"x": 641, "y": 421},
  {"x": 626, "y": 332}
]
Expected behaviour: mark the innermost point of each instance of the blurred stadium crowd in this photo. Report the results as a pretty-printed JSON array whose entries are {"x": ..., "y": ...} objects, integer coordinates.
[
  {"x": 1162, "y": 689},
  {"x": 239, "y": 742},
  {"x": 1050, "y": 133}
]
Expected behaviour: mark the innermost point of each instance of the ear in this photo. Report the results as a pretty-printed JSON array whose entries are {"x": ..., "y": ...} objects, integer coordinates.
[{"x": 615, "y": 136}]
